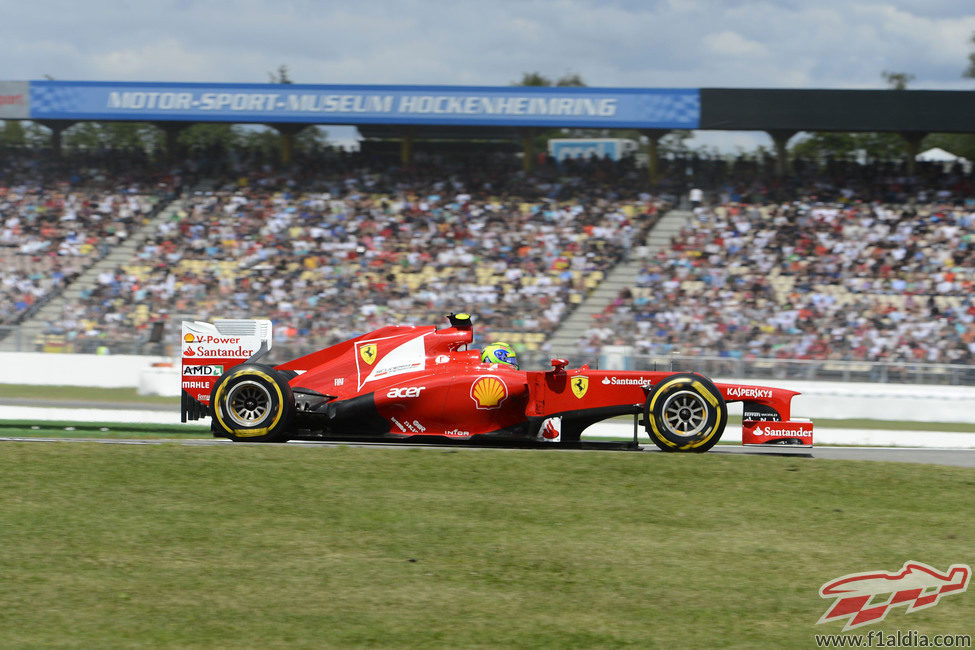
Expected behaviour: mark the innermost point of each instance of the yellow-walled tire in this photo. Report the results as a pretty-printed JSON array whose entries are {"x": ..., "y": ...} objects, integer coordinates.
[
  {"x": 685, "y": 412},
  {"x": 252, "y": 403}
]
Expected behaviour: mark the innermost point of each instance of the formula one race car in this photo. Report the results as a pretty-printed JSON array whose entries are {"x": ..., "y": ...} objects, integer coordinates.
[{"x": 408, "y": 381}]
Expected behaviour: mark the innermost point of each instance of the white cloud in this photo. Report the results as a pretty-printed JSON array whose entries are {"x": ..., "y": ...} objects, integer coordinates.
[
  {"x": 731, "y": 44},
  {"x": 664, "y": 43},
  {"x": 830, "y": 43}
]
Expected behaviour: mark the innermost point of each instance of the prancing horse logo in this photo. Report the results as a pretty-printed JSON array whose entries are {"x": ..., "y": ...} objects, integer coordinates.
[
  {"x": 579, "y": 386},
  {"x": 368, "y": 353}
]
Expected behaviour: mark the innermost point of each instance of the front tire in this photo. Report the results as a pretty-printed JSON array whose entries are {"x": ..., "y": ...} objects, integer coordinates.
[
  {"x": 252, "y": 403},
  {"x": 685, "y": 412}
]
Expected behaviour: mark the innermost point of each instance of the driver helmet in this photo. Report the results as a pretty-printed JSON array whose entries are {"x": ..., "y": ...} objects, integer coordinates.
[{"x": 499, "y": 353}]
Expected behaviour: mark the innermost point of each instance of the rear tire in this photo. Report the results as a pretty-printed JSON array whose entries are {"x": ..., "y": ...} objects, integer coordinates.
[
  {"x": 252, "y": 403},
  {"x": 685, "y": 412}
]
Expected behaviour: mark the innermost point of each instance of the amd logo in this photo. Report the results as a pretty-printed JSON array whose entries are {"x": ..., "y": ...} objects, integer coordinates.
[{"x": 209, "y": 371}]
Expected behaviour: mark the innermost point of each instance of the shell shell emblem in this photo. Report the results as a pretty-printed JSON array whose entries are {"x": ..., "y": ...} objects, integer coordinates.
[
  {"x": 189, "y": 338},
  {"x": 488, "y": 392}
]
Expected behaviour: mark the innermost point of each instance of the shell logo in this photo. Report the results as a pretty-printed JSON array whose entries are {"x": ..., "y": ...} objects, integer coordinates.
[
  {"x": 189, "y": 338},
  {"x": 488, "y": 392}
]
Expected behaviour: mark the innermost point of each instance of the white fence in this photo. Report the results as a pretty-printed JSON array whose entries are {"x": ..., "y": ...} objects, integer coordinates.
[{"x": 836, "y": 399}]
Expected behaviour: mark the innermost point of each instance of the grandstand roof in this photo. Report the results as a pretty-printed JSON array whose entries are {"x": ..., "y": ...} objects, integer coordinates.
[
  {"x": 481, "y": 112},
  {"x": 925, "y": 111}
]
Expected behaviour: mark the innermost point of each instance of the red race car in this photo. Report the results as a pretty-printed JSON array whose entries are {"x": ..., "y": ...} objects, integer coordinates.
[{"x": 408, "y": 381}]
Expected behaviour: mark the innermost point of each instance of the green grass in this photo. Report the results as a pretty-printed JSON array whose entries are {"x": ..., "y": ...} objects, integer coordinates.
[
  {"x": 88, "y": 394},
  {"x": 70, "y": 429},
  {"x": 282, "y": 547},
  {"x": 886, "y": 425}
]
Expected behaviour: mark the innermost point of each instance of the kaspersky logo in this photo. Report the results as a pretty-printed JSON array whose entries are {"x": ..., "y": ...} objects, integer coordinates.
[{"x": 916, "y": 586}]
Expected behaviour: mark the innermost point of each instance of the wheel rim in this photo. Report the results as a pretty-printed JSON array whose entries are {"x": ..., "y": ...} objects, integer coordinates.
[
  {"x": 685, "y": 413},
  {"x": 248, "y": 403}
]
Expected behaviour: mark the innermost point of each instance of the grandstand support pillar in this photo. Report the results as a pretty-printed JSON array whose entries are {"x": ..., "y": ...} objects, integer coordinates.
[
  {"x": 913, "y": 140},
  {"x": 653, "y": 153},
  {"x": 780, "y": 138},
  {"x": 406, "y": 146},
  {"x": 288, "y": 132},
  {"x": 528, "y": 136},
  {"x": 57, "y": 128},
  {"x": 171, "y": 132}
]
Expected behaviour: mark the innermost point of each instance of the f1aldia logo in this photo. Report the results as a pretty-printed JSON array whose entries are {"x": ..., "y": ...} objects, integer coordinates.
[{"x": 916, "y": 586}]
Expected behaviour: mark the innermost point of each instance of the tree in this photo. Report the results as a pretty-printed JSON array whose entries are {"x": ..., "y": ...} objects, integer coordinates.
[
  {"x": 536, "y": 79},
  {"x": 311, "y": 140},
  {"x": 845, "y": 146},
  {"x": 113, "y": 135},
  {"x": 204, "y": 136},
  {"x": 570, "y": 80},
  {"x": 970, "y": 70},
  {"x": 13, "y": 134},
  {"x": 960, "y": 144},
  {"x": 897, "y": 80},
  {"x": 280, "y": 76},
  {"x": 532, "y": 79}
]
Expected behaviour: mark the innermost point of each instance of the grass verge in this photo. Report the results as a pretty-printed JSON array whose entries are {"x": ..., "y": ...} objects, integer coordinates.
[
  {"x": 71, "y": 429},
  {"x": 253, "y": 546},
  {"x": 88, "y": 394}
]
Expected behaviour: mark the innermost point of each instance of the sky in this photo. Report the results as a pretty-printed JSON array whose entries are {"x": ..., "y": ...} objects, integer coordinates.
[{"x": 613, "y": 43}]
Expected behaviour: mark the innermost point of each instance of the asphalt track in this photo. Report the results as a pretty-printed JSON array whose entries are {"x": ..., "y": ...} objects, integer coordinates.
[
  {"x": 931, "y": 448},
  {"x": 927, "y": 456}
]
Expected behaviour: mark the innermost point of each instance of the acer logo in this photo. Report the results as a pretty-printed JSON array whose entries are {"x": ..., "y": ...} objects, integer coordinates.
[{"x": 404, "y": 392}]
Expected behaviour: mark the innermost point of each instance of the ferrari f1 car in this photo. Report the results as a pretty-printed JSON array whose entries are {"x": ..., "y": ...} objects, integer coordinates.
[{"x": 402, "y": 382}]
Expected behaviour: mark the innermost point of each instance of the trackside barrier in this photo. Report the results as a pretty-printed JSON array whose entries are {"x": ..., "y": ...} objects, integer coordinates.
[
  {"x": 102, "y": 371},
  {"x": 881, "y": 372},
  {"x": 819, "y": 399}
]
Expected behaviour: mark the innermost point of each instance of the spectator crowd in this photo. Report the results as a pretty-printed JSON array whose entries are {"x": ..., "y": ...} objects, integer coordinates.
[
  {"x": 331, "y": 258},
  {"x": 56, "y": 220},
  {"x": 838, "y": 262},
  {"x": 806, "y": 280}
]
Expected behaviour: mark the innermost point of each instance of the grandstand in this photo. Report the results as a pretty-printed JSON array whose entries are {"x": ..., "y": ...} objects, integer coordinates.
[
  {"x": 824, "y": 274},
  {"x": 328, "y": 265}
]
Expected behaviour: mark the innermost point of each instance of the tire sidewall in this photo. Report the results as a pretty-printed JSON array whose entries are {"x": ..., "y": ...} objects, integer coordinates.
[
  {"x": 667, "y": 439},
  {"x": 274, "y": 425}
]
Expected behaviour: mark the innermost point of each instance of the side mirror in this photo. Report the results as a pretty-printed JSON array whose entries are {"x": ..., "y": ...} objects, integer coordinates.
[{"x": 460, "y": 321}]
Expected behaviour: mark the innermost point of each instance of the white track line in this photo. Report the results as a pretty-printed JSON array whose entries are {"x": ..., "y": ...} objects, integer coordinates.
[{"x": 822, "y": 436}]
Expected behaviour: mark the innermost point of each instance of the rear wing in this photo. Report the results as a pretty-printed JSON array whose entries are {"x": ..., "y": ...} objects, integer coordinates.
[{"x": 207, "y": 350}]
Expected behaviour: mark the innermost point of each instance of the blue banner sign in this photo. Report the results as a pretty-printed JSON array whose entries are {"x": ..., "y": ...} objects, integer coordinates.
[{"x": 668, "y": 108}]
